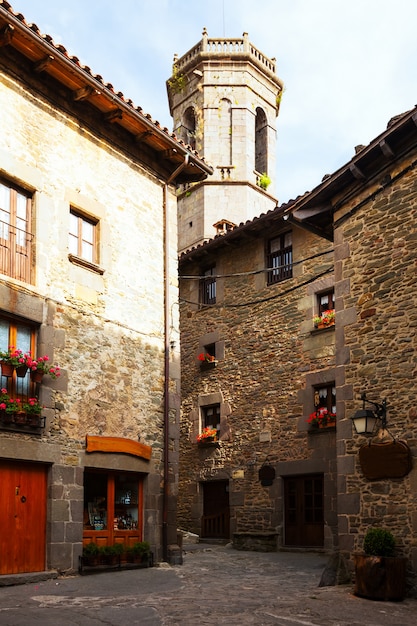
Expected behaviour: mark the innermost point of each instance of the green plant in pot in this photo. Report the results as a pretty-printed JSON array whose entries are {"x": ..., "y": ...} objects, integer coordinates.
[
  {"x": 379, "y": 575},
  {"x": 91, "y": 553},
  {"x": 139, "y": 552},
  {"x": 111, "y": 554}
]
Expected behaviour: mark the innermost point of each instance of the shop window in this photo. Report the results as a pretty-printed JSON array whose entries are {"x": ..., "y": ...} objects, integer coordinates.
[
  {"x": 16, "y": 237},
  {"x": 113, "y": 504}
]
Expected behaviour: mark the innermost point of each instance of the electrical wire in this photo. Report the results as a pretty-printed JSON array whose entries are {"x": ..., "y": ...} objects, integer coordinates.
[
  {"x": 254, "y": 272},
  {"x": 225, "y": 305}
]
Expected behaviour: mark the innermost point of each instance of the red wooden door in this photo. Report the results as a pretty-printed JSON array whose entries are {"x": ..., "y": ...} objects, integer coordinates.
[{"x": 22, "y": 517}]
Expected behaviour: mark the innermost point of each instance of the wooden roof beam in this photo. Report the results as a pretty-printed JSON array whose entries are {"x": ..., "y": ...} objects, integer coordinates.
[
  {"x": 386, "y": 149},
  {"x": 41, "y": 65},
  {"x": 85, "y": 92},
  {"x": 140, "y": 137},
  {"x": 112, "y": 116},
  {"x": 6, "y": 35},
  {"x": 356, "y": 172}
]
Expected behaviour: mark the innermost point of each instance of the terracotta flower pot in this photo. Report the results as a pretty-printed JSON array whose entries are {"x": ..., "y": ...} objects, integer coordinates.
[
  {"x": 36, "y": 376},
  {"x": 7, "y": 369},
  {"x": 21, "y": 371}
]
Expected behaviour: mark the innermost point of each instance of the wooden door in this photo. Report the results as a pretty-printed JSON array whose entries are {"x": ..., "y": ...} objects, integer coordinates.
[
  {"x": 215, "y": 522},
  {"x": 22, "y": 517},
  {"x": 304, "y": 515}
]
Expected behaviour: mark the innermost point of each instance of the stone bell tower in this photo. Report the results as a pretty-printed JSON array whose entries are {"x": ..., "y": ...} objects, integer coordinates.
[{"x": 224, "y": 98}]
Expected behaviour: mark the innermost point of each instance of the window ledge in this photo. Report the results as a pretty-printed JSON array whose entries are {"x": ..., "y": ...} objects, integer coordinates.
[
  {"x": 76, "y": 260},
  {"x": 325, "y": 329}
]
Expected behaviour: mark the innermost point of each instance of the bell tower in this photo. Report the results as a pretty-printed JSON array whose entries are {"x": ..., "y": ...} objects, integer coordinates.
[{"x": 224, "y": 97}]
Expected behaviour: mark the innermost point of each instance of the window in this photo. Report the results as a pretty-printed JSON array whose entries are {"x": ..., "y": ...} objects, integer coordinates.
[
  {"x": 325, "y": 301},
  {"x": 21, "y": 336},
  {"x": 113, "y": 506},
  {"x": 325, "y": 398},
  {"x": 83, "y": 237},
  {"x": 15, "y": 236},
  {"x": 279, "y": 258},
  {"x": 224, "y": 144},
  {"x": 208, "y": 286},
  {"x": 188, "y": 127},
  {"x": 211, "y": 417},
  {"x": 261, "y": 142}
]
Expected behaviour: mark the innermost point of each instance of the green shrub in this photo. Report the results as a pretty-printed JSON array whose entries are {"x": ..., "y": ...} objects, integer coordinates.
[
  {"x": 91, "y": 549},
  {"x": 379, "y": 542},
  {"x": 141, "y": 548}
]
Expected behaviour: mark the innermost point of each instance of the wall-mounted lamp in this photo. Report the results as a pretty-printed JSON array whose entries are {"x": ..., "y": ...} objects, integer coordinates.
[{"x": 365, "y": 420}]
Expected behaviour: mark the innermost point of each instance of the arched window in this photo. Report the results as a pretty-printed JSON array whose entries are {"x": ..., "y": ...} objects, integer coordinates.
[
  {"x": 225, "y": 132},
  {"x": 261, "y": 142},
  {"x": 188, "y": 127}
]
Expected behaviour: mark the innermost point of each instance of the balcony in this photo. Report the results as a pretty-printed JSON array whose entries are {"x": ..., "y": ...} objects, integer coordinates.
[{"x": 15, "y": 252}]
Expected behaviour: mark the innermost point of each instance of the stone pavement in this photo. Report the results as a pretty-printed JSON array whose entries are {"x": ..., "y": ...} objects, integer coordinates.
[{"x": 215, "y": 586}]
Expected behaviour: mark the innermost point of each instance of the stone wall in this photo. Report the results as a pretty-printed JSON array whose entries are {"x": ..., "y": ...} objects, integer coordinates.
[
  {"x": 103, "y": 326},
  {"x": 267, "y": 349},
  {"x": 376, "y": 288}
]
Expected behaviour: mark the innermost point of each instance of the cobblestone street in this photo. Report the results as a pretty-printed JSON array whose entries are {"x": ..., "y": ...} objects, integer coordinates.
[{"x": 216, "y": 585}]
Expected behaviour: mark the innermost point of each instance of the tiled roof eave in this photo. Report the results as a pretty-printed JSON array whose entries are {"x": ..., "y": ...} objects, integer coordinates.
[{"x": 54, "y": 60}]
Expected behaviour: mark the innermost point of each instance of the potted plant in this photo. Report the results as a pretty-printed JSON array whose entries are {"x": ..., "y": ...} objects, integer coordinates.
[
  {"x": 379, "y": 575},
  {"x": 40, "y": 367},
  {"x": 91, "y": 553},
  {"x": 322, "y": 418},
  {"x": 207, "y": 361},
  {"x": 318, "y": 321},
  {"x": 10, "y": 359},
  {"x": 4, "y": 399},
  {"x": 207, "y": 435},
  {"x": 111, "y": 554},
  {"x": 139, "y": 552},
  {"x": 14, "y": 411},
  {"x": 328, "y": 317},
  {"x": 33, "y": 411}
]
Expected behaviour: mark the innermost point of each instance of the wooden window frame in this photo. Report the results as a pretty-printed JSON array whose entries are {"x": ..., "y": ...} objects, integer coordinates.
[
  {"x": 328, "y": 404},
  {"x": 16, "y": 387},
  {"x": 330, "y": 304},
  {"x": 82, "y": 220},
  {"x": 283, "y": 255},
  {"x": 205, "y": 419},
  {"x": 208, "y": 286},
  {"x": 16, "y": 237}
]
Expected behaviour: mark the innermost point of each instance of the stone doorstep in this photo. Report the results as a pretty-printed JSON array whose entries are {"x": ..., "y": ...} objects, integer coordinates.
[{"x": 6, "y": 580}]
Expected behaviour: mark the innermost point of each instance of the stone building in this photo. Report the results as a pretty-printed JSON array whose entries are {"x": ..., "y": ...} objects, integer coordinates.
[
  {"x": 256, "y": 370},
  {"x": 224, "y": 97},
  {"x": 88, "y": 277}
]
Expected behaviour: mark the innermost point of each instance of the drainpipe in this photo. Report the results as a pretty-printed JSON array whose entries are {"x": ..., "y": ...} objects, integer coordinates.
[{"x": 166, "y": 362}]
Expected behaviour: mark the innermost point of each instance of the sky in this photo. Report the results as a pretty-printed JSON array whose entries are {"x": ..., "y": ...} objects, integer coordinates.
[{"x": 347, "y": 67}]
